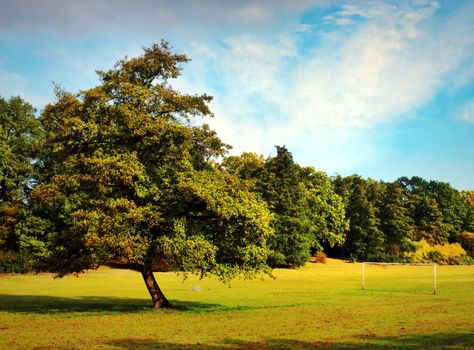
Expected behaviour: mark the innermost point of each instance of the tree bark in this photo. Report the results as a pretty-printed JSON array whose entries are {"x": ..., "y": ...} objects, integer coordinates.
[{"x": 158, "y": 298}]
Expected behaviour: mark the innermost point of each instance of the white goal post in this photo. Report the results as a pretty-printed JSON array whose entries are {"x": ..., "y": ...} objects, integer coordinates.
[{"x": 411, "y": 264}]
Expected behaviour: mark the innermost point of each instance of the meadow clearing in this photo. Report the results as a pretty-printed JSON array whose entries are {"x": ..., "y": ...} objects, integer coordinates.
[{"x": 317, "y": 306}]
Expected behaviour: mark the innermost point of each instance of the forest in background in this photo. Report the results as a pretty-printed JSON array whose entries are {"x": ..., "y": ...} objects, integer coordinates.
[{"x": 407, "y": 220}]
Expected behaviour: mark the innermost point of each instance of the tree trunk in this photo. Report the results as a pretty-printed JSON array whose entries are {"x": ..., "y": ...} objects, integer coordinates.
[{"x": 158, "y": 298}]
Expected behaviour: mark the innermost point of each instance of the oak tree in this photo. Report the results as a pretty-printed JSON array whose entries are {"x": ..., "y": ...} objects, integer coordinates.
[{"x": 127, "y": 177}]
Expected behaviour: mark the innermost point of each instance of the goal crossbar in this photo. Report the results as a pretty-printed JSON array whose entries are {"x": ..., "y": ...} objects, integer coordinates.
[{"x": 387, "y": 263}]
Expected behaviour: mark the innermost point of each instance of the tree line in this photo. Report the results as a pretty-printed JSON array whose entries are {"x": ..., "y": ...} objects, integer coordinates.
[
  {"x": 124, "y": 174},
  {"x": 352, "y": 217}
]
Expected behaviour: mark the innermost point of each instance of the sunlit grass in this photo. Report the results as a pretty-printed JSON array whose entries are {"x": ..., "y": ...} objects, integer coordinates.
[{"x": 318, "y": 306}]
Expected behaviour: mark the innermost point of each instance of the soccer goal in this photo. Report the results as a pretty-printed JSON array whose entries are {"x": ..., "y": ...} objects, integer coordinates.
[{"x": 382, "y": 264}]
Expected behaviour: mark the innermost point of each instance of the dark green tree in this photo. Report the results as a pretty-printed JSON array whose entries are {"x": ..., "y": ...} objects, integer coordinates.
[
  {"x": 451, "y": 204},
  {"x": 429, "y": 220},
  {"x": 468, "y": 224},
  {"x": 364, "y": 238},
  {"x": 127, "y": 178},
  {"x": 424, "y": 210},
  {"x": 19, "y": 131},
  {"x": 285, "y": 194},
  {"x": 395, "y": 222},
  {"x": 307, "y": 213}
]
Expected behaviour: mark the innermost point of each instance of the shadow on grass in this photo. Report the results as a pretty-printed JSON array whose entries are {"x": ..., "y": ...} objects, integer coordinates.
[
  {"x": 41, "y": 304},
  {"x": 435, "y": 341}
]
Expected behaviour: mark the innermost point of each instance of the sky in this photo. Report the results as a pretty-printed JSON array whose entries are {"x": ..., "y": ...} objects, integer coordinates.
[{"x": 382, "y": 89}]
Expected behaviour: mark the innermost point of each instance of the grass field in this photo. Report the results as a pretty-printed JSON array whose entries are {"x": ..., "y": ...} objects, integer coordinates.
[{"x": 318, "y": 306}]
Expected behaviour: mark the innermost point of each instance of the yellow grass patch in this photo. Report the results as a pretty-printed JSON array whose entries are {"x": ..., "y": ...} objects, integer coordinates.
[{"x": 317, "y": 306}]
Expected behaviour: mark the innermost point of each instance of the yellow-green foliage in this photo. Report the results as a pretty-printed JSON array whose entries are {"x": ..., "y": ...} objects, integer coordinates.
[
  {"x": 123, "y": 163},
  {"x": 438, "y": 253}
]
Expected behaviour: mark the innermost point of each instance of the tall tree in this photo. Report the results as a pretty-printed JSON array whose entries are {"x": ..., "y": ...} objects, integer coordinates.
[
  {"x": 284, "y": 192},
  {"x": 325, "y": 210},
  {"x": 424, "y": 210},
  {"x": 19, "y": 130},
  {"x": 364, "y": 238},
  {"x": 308, "y": 215},
  {"x": 452, "y": 206},
  {"x": 395, "y": 221},
  {"x": 468, "y": 224},
  {"x": 127, "y": 177}
]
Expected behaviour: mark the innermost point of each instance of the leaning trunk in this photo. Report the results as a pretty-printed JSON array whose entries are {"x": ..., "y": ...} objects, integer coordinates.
[{"x": 158, "y": 298}]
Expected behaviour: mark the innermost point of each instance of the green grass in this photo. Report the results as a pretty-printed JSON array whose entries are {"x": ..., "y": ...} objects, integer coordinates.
[{"x": 318, "y": 306}]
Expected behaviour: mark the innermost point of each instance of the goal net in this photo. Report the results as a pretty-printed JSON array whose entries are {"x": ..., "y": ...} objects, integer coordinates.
[{"x": 380, "y": 274}]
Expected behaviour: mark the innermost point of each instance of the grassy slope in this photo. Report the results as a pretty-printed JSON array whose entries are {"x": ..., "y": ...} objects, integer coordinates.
[{"x": 318, "y": 306}]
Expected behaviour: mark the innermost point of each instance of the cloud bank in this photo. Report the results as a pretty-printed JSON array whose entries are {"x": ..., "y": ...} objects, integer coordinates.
[
  {"x": 88, "y": 16},
  {"x": 364, "y": 65}
]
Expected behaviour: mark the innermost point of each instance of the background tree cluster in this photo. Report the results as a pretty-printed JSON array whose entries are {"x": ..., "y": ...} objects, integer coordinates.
[
  {"x": 19, "y": 132},
  {"x": 123, "y": 173},
  {"x": 387, "y": 218},
  {"x": 308, "y": 214},
  {"x": 351, "y": 217}
]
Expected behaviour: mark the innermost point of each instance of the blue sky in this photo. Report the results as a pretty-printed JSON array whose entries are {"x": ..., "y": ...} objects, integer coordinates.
[{"x": 379, "y": 88}]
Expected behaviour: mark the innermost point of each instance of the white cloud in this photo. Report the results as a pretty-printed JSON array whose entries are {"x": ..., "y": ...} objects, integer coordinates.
[
  {"x": 304, "y": 28},
  {"x": 377, "y": 73},
  {"x": 466, "y": 113},
  {"x": 10, "y": 78},
  {"x": 13, "y": 84},
  {"x": 254, "y": 64},
  {"x": 390, "y": 62},
  {"x": 381, "y": 71}
]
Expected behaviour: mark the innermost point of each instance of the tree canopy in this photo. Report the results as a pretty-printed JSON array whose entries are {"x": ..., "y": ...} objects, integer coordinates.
[
  {"x": 19, "y": 130},
  {"x": 127, "y": 176},
  {"x": 307, "y": 213}
]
